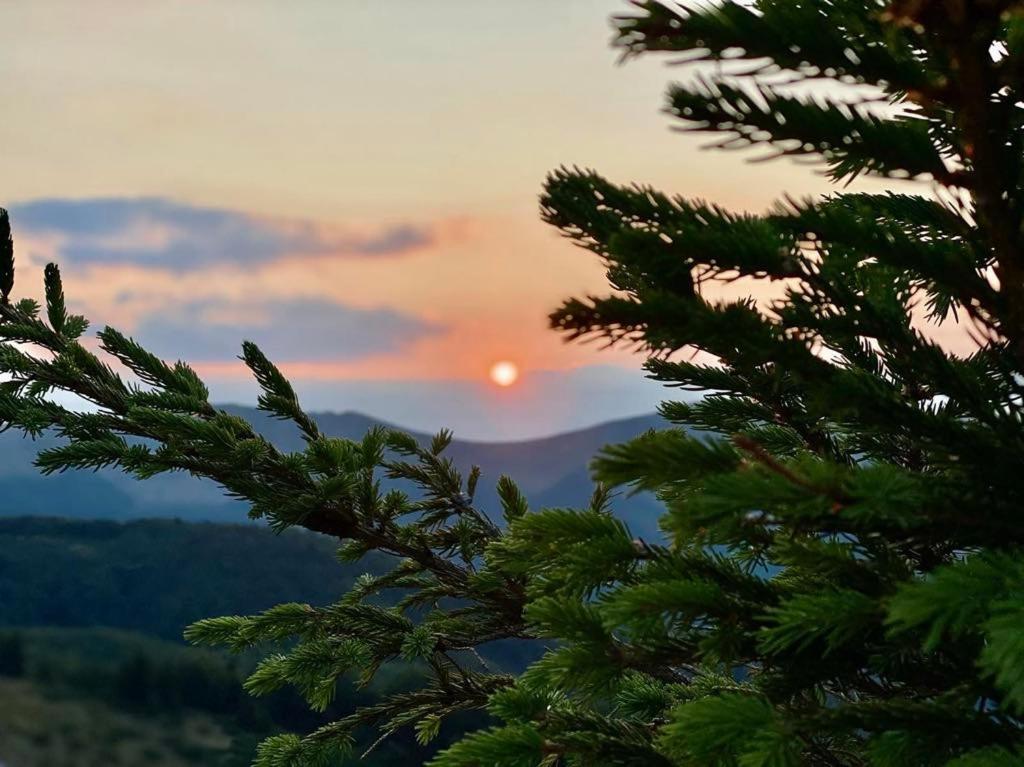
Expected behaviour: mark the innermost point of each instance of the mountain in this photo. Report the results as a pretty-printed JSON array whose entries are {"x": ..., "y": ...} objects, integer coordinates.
[
  {"x": 552, "y": 471},
  {"x": 96, "y": 601},
  {"x": 537, "y": 465}
]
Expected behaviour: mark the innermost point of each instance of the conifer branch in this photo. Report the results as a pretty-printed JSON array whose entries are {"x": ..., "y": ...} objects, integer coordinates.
[{"x": 839, "y": 577}]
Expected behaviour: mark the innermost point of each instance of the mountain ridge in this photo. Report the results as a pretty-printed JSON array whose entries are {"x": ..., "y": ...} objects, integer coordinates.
[
  {"x": 369, "y": 420},
  {"x": 551, "y": 471}
]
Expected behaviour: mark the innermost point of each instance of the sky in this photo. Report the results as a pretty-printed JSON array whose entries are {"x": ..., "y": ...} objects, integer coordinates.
[{"x": 352, "y": 185}]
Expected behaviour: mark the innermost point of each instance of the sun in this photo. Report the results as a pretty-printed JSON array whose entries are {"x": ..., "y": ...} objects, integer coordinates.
[{"x": 504, "y": 373}]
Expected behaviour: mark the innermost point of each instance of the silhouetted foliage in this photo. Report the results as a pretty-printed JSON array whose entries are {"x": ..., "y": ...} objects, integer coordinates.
[{"x": 843, "y": 580}]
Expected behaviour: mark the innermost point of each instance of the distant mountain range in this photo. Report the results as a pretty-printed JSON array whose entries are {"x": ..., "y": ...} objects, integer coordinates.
[{"x": 551, "y": 471}]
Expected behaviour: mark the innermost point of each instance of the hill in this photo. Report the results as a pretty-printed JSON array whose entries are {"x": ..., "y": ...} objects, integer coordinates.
[
  {"x": 92, "y": 666},
  {"x": 41, "y": 730},
  {"x": 92, "y": 697},
  {"x": 157, "y": 576},
  {"x": 552, "y": 471}
]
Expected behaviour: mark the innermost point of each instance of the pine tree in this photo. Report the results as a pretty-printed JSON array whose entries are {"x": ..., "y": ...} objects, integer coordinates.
[{"x": 841, "y": 581}]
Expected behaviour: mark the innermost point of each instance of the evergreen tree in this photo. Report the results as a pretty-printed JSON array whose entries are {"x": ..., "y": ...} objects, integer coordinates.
[{"x": 841, "y": 581}]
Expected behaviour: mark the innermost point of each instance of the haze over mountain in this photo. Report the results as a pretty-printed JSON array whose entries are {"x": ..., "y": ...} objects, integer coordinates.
[
  {"x": 97, "y": 603},
  {"x": 551, "y": 471}
]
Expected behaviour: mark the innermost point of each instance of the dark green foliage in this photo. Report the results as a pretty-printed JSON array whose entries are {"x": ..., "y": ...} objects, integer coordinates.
[
  {"x": 12, "y": 654},
  {"x": 840, "y": 582},
  {"x": 160, "y": 683},
  {"x": 851, "y": 549},
  {"x": 157, "y": 576}
]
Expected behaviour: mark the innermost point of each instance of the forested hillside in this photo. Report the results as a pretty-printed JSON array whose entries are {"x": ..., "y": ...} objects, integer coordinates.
[
  {"x": 157, "y": 576},
  {"x": 93, "y": 670}
]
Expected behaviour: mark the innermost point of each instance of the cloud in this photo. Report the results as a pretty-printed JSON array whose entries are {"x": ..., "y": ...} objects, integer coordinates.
[
  {"x": 160, "y": 232},
  {"x": 286, "y": 330}
]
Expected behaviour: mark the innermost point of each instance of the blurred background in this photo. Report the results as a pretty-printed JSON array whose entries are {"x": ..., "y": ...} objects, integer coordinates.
[{"x": 354, "y": 186}]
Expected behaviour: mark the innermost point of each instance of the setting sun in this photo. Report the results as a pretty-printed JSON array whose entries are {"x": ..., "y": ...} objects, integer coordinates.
[{"x": 504, "y": 373}]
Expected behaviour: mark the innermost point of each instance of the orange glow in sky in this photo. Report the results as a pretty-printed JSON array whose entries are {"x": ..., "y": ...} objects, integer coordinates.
[{"x": 377, "y": 232}]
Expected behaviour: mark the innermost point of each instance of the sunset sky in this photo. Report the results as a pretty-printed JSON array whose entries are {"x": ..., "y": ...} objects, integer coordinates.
[{"x": 351, "y": 184}]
